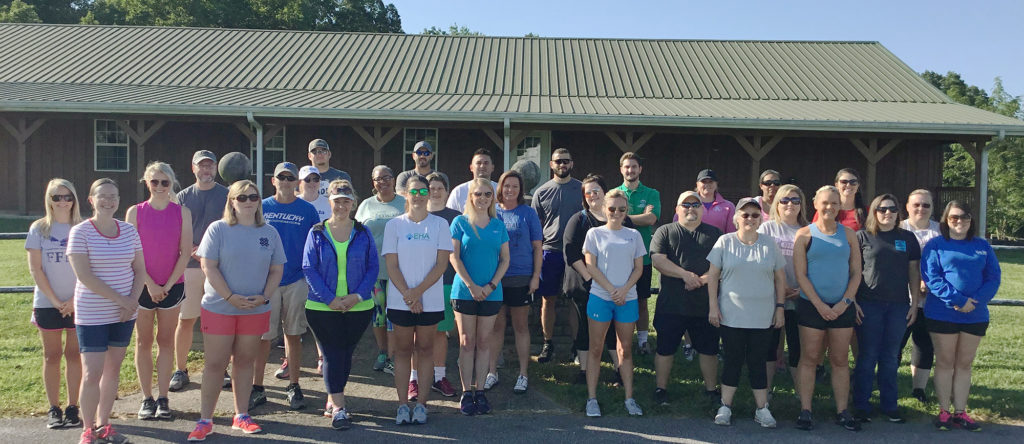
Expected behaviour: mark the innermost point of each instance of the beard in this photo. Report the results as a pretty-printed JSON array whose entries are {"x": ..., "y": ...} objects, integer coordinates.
[{"x": 563, "y": 175}]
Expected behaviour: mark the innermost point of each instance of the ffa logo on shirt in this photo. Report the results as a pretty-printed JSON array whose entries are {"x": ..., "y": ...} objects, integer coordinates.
[{"x": 264, "y": 243}]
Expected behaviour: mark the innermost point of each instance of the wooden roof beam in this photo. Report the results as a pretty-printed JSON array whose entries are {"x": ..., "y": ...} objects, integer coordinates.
[
  {"x": 21, "y": 133},
  {"x": 757, "y": 148},
  {"x": 629, "y": 144},
  {"x": 873, "y": 154}
]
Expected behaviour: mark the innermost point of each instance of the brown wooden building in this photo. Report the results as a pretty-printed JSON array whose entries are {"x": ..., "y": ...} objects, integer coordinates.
[{"x": 83, "y": 102}]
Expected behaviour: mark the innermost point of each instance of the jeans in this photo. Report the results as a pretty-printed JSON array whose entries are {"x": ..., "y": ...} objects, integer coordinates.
[{"x": 879, "y": 337}]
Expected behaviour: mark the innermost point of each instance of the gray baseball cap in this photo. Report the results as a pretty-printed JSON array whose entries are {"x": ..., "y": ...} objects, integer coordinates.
[
  {"x": 748, "y": 201},
  {"x": 319, "y": 143},
  {"x": 286, "y": 166},
  {"x": 423, "y": 144},
  {"x": 203, "y": 154}
]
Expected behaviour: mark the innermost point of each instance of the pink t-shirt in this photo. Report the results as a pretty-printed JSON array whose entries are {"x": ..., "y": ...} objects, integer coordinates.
[
  {"x": 110, "y": 259},
  {"x": 160, "y": 231}
]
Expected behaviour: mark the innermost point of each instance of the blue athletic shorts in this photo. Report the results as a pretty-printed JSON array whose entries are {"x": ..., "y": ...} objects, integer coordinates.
[{"x": 601, "y": 310}]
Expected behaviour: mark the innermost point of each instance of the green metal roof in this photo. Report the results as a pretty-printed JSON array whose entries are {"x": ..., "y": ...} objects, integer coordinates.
[{"x": 750, "y": 84}]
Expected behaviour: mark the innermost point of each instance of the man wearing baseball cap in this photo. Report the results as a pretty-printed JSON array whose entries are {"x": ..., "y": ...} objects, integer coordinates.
[
  {"x": 320, "y": 157},
  {"x": 422, "y": 155},
  {"x": 309, "y": 190},
  {"x": 292, "y": 217},
  {"x": 205, "y": 199}
]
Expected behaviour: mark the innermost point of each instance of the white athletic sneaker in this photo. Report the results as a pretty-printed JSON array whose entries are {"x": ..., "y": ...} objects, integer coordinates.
[
  {"x": 520, "y": 386},
  {"x": 724, "y": 416},
  {"x": 593, "y": 409},
  {"x": 490, "y": 381},
  {"x": 764, "y": 417},
  {"x": 633, "y": 408}
]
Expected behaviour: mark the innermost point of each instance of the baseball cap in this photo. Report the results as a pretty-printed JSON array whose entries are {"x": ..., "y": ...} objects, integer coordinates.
[
  {"x": 686, "y": 194},
  {"x": 319, "y": 143},
  {"x": 203, "y": 154},
  {"x": 423, "y": 144},
  {"x": 340, "y": 192},
  {"x": 286, "y": 166},
  {"x": 305, "y": 171},
  {"x": 707, "y": 174},
  {"x": 748, "y": 201}
]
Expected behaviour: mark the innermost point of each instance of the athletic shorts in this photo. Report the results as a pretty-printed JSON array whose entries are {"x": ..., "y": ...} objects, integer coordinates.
[
  {"x": 51, "y": 319},
  {"x": 405, "y": 318},
  {"x": 174, "y": 298},
  {"x": 288, "y": 304},
  {"x": 643, "y": 286},
  {"x": 672, "y": 327},
  {"x": 380, "y": 306},
  {"x": 952, "y": 328},
  {"x": 601, "y": 310},
  {"x": 234, "y": 325},
  {"x": 195, "y": 279},
  {"x": 473, "y": 307},
  {"x": 448, "y": 323},
  {"x": 516, "y": 296},
  {"x": 552, "y": 269},
  {"x": 97, "y": 338},
  {"x": 808, "y": 317}
]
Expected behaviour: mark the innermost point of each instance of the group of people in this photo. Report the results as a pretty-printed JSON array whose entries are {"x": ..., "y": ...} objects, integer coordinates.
[{"x": 419, "y": 263}]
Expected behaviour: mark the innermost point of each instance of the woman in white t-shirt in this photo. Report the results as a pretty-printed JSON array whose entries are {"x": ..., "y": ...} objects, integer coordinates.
[
  {"x": 746, "y": 291},
  {"x": 614, "y": 256},
  {"x": 919, "y": 222},
  {"x": 53, "y": 307},
  {"x": 106, "y": 255},
  {"x": 416, "y": 249}
]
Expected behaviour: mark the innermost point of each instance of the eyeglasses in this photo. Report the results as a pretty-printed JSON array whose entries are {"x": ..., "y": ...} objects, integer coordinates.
[
  {"x": 959, "y": 217},
  {"x": 163, "y": 183},
  {"x": 247, "y": 197},
  {"x": 772, "y": 183},
  {"x": 750, "y": 215},
  {"x": 309, "y": 179},
  {"x": 890, "y": 209},
  {"x": 420, "y": 191},
  {"x": 483, "y": 193},
  {"x": 619, "y": 209},
  {"x": 320, "y": 151},
  {"x": 64, "y": 197},
  {"x": 690, "y": 205},
  {"x": 789, "y": 201},
  {"x": 383, "y": 179},
  {"x": 922, "y": 205},
  {"x": 562, "y": 161},
  {"x": 848, "y": 181},
  {"x": 287, "y": 177},
  {"x": 422, "y": 153},
  {"x": 592, "y": 192}
]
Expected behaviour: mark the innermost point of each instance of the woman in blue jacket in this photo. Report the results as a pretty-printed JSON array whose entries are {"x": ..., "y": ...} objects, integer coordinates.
[
  {"x": 962, "y": 275},
  {"x": 339, "y": 305}
]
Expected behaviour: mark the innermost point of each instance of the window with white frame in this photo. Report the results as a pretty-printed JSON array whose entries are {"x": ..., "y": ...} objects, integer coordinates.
[
  {"x": 413, "y": 135},
  {"x": 273, "y": 153},
  {"x": 110, "y": 149},
  {"x": 536, "y": 147}
]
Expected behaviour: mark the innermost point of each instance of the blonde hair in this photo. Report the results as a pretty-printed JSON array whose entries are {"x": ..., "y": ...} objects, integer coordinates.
[
  {"x": 236, "y": 189},
  {"x": 826, "y": 188},
  {"x": 162, "y": 167},
  {"x": 785, "y": 190},
  {"x": 469, "y": 211},
  {"x": 616, "y": 193},
  {"x": 923, "y": 192},
  {"x": 46, "y": 222}
]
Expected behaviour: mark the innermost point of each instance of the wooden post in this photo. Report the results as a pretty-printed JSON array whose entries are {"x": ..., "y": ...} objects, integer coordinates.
[
  {"x": 757, "y": 151},
  {"x": 377, "y": 140},
  {"x": 979, "y": 152},
  {"x": 140, "y": 135},
  {"x": 629, "y": 144},
  {"x": 873, "y": 154},
  {"x": 21, "y": 133},
  {"x": 515, "y": 138}
]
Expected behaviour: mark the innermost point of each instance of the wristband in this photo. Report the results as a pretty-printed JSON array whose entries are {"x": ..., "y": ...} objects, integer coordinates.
[
  {"x": 780, "y": 305},
  {"x": 493, "y": 287}
]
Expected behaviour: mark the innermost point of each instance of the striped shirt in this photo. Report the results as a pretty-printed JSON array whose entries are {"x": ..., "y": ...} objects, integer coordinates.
[{"x": 110, "y": 259}]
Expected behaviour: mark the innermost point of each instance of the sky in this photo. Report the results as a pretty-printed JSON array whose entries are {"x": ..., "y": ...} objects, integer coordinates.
[{"x": 981, "y": 39}]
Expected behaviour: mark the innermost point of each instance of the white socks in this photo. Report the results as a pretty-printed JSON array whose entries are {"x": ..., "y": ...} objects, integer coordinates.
[
  {"x": 438, "y": 373},
  {"x": 641, "y": 336},
  {"x": 413, "y": 376}
]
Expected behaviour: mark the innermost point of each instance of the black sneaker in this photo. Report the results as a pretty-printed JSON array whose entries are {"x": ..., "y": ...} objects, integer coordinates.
[
  {"x": 54, "y": 418},
  {"x": 257, "y": 397},
  {"x": 71, "y": 418},
  {"x": 820, "y": 375},
  {"x": 660, "y": 396},
  {"x": 581, "y": 378},
  {"x": 805, "y": 421},
  {"x": 919, "y": 395},
  {"x": 862, "y": 416},
  {"x": 845, "y": 419},
  {"x": 148, "y": 409},
  {"x": 295, "y": 398},
  {"x": 163, "y": 408},
  {"x": 546, "y": 352},
  {"x": 482, "y": 406},
  {"x": 227, "y": 381},
  {"x": 179, "y": 380},
  {"x": 466, "y": 405},
  {"x": 894, "y": 417},
  {"x": 714, "y": 396},
  {"x": 617, "y": 378}
]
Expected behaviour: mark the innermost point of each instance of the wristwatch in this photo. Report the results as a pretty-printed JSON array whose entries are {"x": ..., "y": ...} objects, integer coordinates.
[
  {"x": 848, "y": 301},
  {"x": 780, "y": 305},
  {"x": 493, "y": 287}
]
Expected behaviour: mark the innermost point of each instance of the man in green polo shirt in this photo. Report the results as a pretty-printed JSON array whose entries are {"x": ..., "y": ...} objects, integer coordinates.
[{"x": 644, "y": 211}]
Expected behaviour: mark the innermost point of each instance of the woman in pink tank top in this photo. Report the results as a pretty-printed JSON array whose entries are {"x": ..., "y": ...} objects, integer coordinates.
[{"x": 165, "y": 229}]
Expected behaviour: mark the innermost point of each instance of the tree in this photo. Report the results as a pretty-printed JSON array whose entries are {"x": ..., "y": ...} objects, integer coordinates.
[
  {"x": 18, "y": 12},
  {"x": 453, "y": 29}
]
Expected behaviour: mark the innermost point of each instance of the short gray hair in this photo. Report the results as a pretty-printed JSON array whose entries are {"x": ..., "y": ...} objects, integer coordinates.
[{"x": 379, "y": 168}]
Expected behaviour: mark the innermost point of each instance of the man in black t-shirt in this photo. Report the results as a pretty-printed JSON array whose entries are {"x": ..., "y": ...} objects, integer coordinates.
[{"x": 679, "y": 251}]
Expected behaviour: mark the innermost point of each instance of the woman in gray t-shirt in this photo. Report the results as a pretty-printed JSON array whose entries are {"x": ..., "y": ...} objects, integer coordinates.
[{"x": 746, "y": 290}]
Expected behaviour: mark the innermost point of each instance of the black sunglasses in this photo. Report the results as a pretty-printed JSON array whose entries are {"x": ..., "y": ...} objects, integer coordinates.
[
  {"x": 618, "y": 209},
  {"x": 64, "y": 197},
  {"x": 309, "y": 179},
  {"x": 772, "y": 183},
  {"x": 690, "y": 204},
  {"x": 922, "y": 205},
  {"x": 562, "y": 161},
  {"x": 848, "y": 181},
  {"x": 484, "y": 193},
  {"x": 789, "y": 200},
  {"x": 959, "y": 217},
  {"x": 289, "y": 178},
  {"x": 750, "y": 215},
  {"x": 423, "y": 153},
  {"x": 163, "y": 183},
  {"x": 246, "y": 197},
  {"x": 890, "y": 209}
]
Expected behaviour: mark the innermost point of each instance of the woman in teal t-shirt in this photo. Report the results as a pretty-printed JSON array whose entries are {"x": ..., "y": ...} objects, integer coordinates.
[{"x": 480, "y": 259}]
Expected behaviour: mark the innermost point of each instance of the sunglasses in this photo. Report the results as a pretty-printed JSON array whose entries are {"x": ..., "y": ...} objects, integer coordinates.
[
  {"x": 420, "y": 191},
  {"x": 772, "y": 183},
  {"x": 483, "y": 193},
  {"x": 789, "y": 201},
  {"x": 890, "y": 209},
  {"x": 562, "y": 161},
  {"x": 64, "y": 197},
  {"x": 343, "y": 190},
  {"x": 751, "y": 215},
  {"x": 247, "y": 197},
  {"x": 959, "y": 217},
  {"x": 288, "y": 178},
  {"x": 922, "y": 205},
  {"x": 309, "y": 179},
  {"x": 423, "y": 153},
  {"x": 690, "y": 205},
  {"x": 164, "y": 183},
  {"x": 848, "y": 181},
  {"x": 617, "y": 209},
  {"x": 383, "y": 179},
  {"x": 592, "y": 192},
  {"x": 320, "y": 151}
]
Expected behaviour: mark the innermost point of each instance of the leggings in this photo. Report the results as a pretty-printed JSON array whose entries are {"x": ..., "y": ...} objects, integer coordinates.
[
  {"x": 745, "y": 345},
  {"x": 582, "y": 341},
  {"x": 792, "y": 340},
  {"x": 338, "y": 334},
  {"x": 923, "y": 352}
]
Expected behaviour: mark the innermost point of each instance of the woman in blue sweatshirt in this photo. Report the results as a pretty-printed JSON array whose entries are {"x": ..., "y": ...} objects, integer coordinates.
[
  {"x": 340, "y": 264},
  {"x": 962, "y": 275}
]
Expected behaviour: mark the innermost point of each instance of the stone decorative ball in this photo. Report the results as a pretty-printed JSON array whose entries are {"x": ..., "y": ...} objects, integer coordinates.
[
  {"x": 530, "y": 172},
  {"x": 234, "y": 166}
]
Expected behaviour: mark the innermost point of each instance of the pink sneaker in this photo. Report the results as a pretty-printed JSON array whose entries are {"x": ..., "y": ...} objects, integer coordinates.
[
  {"x": 203, "y": 428},
  {"x": 109, "y": 435},
  {"x": 245, "y": 423},
  {"x": 965, "y": 422},
  {"x": 944, "y": 420}
]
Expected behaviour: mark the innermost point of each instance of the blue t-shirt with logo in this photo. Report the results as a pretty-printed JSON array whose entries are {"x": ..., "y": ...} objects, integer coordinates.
[
  {"x": 292, "y": 222},
  {"x": 523, "y": 226},
  {"x": 479, "y": 252}
]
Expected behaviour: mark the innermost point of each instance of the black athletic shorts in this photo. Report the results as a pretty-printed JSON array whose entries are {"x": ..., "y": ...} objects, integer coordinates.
[
  {"x": 808, "y": 317},
  {"x": 643, "y": 286},
  {"x": 405, "y": 318},
  {"x": 173, "y": 299},
  {"x": 476, "y": 308},
  {"x": 516, "y": 296},
  {"x": 671, "y": 327},
  {"x": 952, "y": 328},
  {"x": 51, "y": 319}
]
